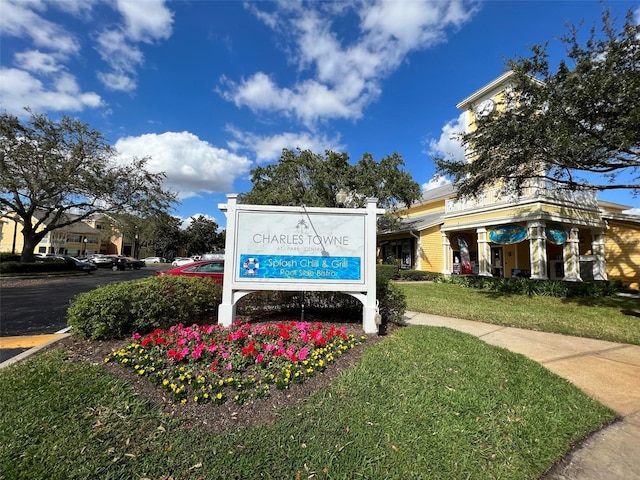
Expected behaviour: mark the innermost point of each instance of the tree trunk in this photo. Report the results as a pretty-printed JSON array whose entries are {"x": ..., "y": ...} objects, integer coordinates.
[{"x": 30, "y": 240}]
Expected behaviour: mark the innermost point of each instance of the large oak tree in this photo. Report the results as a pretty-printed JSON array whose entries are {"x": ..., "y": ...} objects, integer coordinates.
[
  {"x": 55, "y": 173},
  {"x": 307, "y": 178},
  {"x": 577, "y": 125}
]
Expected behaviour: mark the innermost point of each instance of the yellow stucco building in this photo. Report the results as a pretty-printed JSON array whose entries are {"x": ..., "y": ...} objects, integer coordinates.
[
  {"x": 95, "y": 234},
  {"x": 545, "y": 233}
]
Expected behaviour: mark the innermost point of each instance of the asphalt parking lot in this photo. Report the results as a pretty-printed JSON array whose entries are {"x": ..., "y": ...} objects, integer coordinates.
[{"x": 32, "y": 309}]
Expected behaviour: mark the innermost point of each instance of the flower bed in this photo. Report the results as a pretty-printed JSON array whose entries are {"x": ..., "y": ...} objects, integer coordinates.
[{"x": 211, "y": 363}]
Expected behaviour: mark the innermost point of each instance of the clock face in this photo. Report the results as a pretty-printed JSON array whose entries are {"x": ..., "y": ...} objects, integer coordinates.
[{"x": 485, "y": 107}]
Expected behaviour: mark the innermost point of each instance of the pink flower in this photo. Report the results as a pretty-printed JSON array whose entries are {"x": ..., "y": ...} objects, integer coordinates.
[
  {"x": 229, "y": 366},
  {"x": 259, "y": 358},
  {"x": 135, "y": 337},
  {"x": 302, "y": 354}
]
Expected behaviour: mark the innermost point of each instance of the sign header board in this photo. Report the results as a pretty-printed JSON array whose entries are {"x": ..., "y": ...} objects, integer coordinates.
[{"x": 299, "y": 247}]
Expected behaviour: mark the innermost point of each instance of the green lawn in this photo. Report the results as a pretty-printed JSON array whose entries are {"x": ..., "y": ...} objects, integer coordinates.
[
  {"x": 422, "y": 403},
  {"x": 606, "y": 318}
]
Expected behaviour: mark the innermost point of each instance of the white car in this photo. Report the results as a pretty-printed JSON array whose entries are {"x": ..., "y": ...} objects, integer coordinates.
[
  {"x": 179, "y": 261},
  {"x": 154, "y": 260}
]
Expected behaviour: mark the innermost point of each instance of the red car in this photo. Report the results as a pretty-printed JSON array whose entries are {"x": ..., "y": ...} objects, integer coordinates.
[{"x": 213, "y": 269}]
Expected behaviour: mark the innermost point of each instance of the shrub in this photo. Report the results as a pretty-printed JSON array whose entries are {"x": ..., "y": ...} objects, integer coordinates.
[
  {"x": 386, "y": 272},
  {"x": 17, "y": 267},
  {"x": 118, "y": 310},
  {"x": 418, "y": 275},
  {"x": 392, "y": 303},
  {"x": 9, "y": 257},
  {"x": 526, "y": 286}
]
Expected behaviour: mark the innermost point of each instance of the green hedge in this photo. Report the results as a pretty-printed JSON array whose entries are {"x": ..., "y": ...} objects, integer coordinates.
[
  {"x": 22, "y": 268},
  {"x": 118, "y": 310},
  {"x": 418, "y": 275},
  {"x": 526, "y": 286}
]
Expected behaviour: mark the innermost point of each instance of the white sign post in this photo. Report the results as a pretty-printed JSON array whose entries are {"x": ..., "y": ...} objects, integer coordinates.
[{"x": 300, "y": 249}]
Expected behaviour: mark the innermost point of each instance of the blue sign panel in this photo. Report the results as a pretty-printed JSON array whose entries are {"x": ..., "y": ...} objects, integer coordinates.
[
  {"x": 556, "y": 234},
  {"x": 287, "y": 267},
  {"x": 508, "y": 234}
]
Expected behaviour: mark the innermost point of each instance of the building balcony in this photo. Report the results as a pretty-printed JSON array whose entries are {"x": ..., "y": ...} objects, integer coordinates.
[{"x": 543, "y": 191}]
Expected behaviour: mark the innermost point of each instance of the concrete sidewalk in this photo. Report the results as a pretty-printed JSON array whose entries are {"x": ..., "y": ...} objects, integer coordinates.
[{"x": 606, "y": 371}]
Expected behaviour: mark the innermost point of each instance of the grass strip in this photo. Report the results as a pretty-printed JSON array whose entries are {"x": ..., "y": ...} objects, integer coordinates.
[
  {"x": 423, "y": 403},
  {"x": 606, "y": 318}
]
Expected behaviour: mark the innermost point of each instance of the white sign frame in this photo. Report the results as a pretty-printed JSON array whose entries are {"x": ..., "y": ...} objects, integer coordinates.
[{"x": 300, "y": 249}]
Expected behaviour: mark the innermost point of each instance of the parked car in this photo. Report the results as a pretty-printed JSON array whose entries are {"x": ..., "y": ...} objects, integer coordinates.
[
  {"x": 79, "y": 264},
  {"x": 149, "y": 260},
  {"x": 104, "y": 261},
  {"x": 213, "y": 269},
  {"x": 71, "y": 261},
  {"x": 213, "y": 256},
  {"x": 179, "y": 261},
  {"x": 134, "y": 263},
  {"x": 117, "y": 262}
]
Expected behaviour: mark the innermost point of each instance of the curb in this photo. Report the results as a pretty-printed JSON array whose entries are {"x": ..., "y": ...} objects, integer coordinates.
[{"x": 33, "y": 350}]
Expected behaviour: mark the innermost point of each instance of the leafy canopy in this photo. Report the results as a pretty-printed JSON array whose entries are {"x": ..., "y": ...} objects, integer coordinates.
[
  {"x": 202, "y": 236},
  {"x": 578, "y": 126},
  {"x": 56, "y": 173},
  {"x": 305, "y": 178}
]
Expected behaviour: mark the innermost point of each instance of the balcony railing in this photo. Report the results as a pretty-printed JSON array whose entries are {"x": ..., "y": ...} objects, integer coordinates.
[{"x": 546, "y": 190}]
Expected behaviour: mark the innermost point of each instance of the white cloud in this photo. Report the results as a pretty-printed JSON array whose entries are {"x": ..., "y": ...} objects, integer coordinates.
[
  {"x": 21, "y": 19},
  {"x": 632, "y": 211},
  {"x": 40, "y": 79},
  {"x": 448, "y": 144},
  {"x": 114, "y": 50},
  {"x": 269, "y": 148},
  {"x": 146, "y": 21},
  {"x": 190, "y": 164},
  {"x": 435, "y": 182},
  {"x": 122, "y": 57},
  {"x": 117, "y": 81},
  {"x": 337, "y": 80},
  {"x": 186, "y": 222},
  {"x": 37, "y": 62},
  {"x": 20, "y": 89}
]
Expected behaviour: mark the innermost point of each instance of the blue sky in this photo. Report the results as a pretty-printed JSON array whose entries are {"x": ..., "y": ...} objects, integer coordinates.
[{"x": 211, "y": 89}]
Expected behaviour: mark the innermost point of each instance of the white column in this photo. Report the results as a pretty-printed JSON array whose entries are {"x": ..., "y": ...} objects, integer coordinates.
[
  {"x": 537, "y": 250},
  {"x": 484, "y": 253},
  {"x": 227, "y": 308},
  {"x": 597, "y": 247},
  {"x": 446, "y": 253},
  {"x": 370, "y": 308},
  {"x": 571, "y": 257}
]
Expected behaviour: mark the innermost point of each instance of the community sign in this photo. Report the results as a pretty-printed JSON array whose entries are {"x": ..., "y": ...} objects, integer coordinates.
[{"x": 300, "y": 249}]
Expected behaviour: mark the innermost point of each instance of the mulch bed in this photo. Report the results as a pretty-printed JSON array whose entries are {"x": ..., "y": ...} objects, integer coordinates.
[{"x": 216, "y": 418}]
